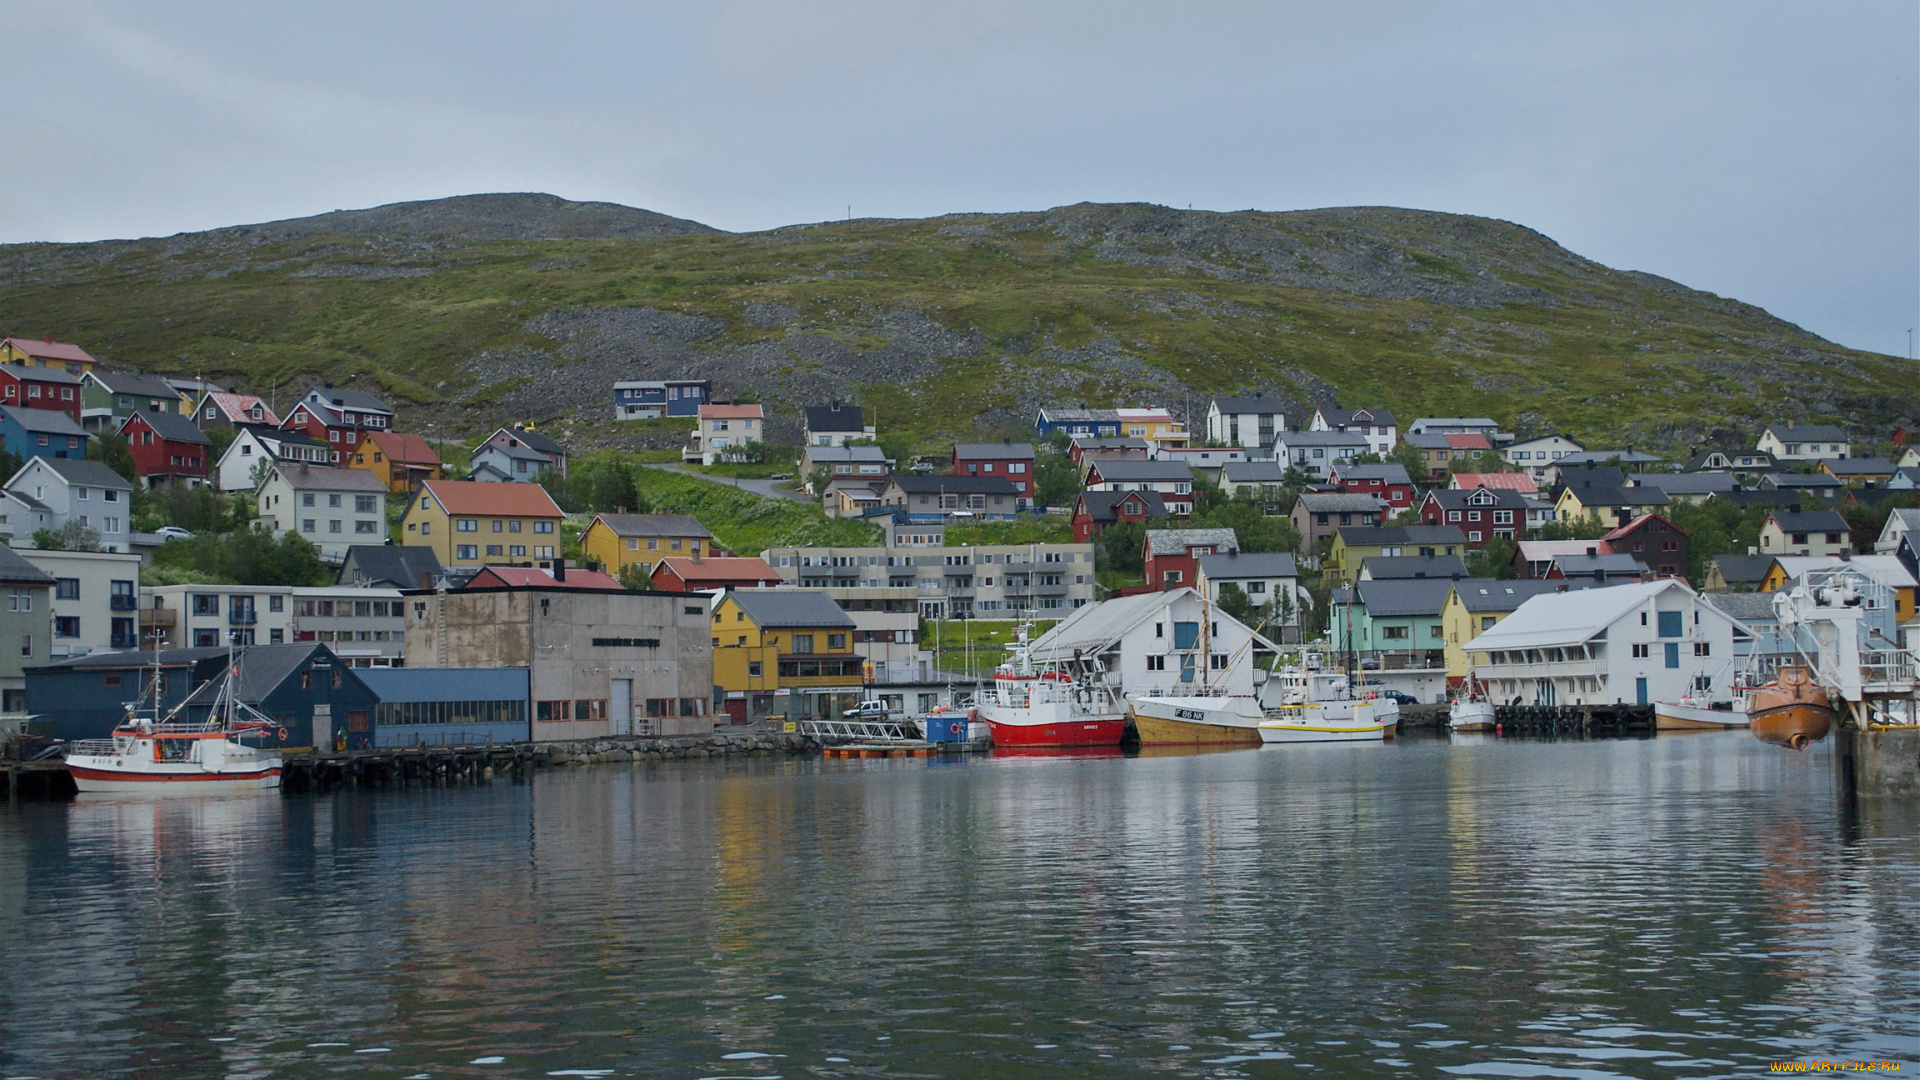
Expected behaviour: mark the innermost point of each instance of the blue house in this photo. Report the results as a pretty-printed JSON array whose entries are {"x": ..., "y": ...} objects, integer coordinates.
[
  {"x": 652, "y": 399},
  {"x": 1080, "y": 423},
  {"x": 449, "y": 706},
  {"x": 41, "y": 433}
]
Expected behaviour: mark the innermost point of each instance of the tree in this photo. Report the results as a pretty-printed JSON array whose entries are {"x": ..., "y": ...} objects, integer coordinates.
[
  {"x": 1233, "y": 600},
  {"x": 634, "y": 577},
  {"x": 1120, "y": 547},
  {"x": 1056, "y": 480},
  {"x": 110, "y": 448},
  {"x": 1493, "y": 561},
  {"x": 248, "y": 557},
  {"x": 72, "y": 536},
  {"x": 1256, "y": 532},
  {"x": 1584, "y": 527},
  {"x": 1407, "y": 455},
  {"x": 613, "y": 490}
]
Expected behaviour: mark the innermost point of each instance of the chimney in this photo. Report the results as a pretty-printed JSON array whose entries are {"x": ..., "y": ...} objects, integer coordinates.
[
  {"x": 1592, "y": 551},
  {"x": 49, "y": 339},
  {"x": 1789, "y": 425},
  {"x": 560, "y": 570}
]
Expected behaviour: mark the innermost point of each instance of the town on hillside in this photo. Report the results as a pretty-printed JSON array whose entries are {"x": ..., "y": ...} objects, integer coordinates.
[{"x": 743, "y": 582}]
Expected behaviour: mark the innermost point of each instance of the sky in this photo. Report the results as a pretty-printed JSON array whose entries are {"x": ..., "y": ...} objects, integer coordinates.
[{"x": 1761, "y": 150}]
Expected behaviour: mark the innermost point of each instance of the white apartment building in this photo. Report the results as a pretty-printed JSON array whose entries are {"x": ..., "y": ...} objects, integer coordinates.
[
  {"x": 1793, "y": 441},
  {"x": 60, "y": 490},
  {"x": 1377, "y": 426},
  {"x": 333, "y": 509},
  {"x": 1536, "y": 456},
  {"x": 365, "y": 627},
  {"x": 239, "y": 468},
  {"x": 1249, "y": 422},
  {"x": 95, "y": 597},
  {"x": 1000, "y": 581},
  {"x": 1639, "y": 643}
]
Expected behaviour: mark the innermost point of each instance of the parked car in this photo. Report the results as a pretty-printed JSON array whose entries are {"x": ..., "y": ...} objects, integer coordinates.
[
  {"x": 781, "y": 476},
  {"x": 1399, "y": 698},
  {"x": 172, "y": 532},
  {"x": 871, "y": 709}
]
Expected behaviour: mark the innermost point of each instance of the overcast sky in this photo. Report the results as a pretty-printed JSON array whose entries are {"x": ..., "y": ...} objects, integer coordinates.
[{"x": 1766, "y": 151}]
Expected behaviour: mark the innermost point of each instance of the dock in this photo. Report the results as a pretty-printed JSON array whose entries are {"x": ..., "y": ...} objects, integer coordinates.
[
  {"x": 1586, "y": 721},
  {"x": 886, "y": 750},
  {"x": 36, "y": 780}
]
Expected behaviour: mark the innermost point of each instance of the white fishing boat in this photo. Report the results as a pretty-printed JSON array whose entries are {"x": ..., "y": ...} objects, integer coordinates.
[
  {"x": 1319, "y": 706},
  {"x": 169, "y": 753},
  {"x": 1472, "y": 709},
  {"x": 1700, "y": 712}
]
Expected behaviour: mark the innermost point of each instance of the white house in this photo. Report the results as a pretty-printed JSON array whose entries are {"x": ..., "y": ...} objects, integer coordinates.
[
  {"x": 722, "y": 430},
  {"x": 1316, "y": 452},
  {"x": 1265, "y": 578},
  {"x": 494, "y": 463},
  {"x": 1536, "y": 455},
  {"x": 1636, "y": 643},
  {"x": 1804, "y": 532},
  {"x": 1457, "y": 425},
  {"x": 1172, "y": 479},
  {"x": 1377, "y": 425},
  {"x": 333, "y": 509},
  {"x": 95, "y": 599},
  {"x": 1900, "y": 523},
  {"x": 239, "y": 468},
  {"x": 1159, "y": 643},
  {"x": 836, "y": 425},
  {"x": 1793, "y": 441},
  {"x": 72, "y": 489},
  {"x": 1251, "y": 422}
]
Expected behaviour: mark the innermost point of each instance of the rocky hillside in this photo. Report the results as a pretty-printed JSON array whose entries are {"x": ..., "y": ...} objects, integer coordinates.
[{"x": 485, "y": 308}]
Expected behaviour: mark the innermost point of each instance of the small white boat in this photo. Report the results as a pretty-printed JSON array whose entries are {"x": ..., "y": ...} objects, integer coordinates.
[
  {"x": 1471, "y": 710},
  {"x": 155, "y": 753},
  {"x": 1318, "y": 706},
  {"x": 1693, "y": 714}
]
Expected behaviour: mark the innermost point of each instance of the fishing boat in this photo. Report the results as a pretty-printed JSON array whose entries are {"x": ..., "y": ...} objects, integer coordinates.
[
  {"x": 151, "y": 752},
  {"x": 1319, "y": 706},
  {"x": 1791, "y": 711},
  {"x": 1472, "y": 708},
  {"x": 1196, "y": 721},
  {"x": 1046, "y": 705}
]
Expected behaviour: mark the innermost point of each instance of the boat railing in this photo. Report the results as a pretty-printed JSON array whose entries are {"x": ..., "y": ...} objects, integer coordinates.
[
  {"x": 92, "y": 748},
  {"x": 1879, "y": 666},
  {"x": 871, "y": 730}
]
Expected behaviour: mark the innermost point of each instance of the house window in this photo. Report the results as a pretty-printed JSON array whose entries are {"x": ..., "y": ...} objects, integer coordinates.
[
  {"x": 803, "y": 643},
  {"x": 1156, "y": 663},
  {"x": 66, "y": 588},
  {"x": 466, "y": 525},
  {"x": 466, "y": 551},
  {"x": 67, "y": 626}
]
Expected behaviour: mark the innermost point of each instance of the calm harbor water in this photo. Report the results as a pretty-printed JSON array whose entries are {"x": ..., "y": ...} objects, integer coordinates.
[{"x": 1680, "y": 907}]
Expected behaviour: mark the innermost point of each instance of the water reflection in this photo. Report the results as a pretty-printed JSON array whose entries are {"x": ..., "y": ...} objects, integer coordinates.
[{"x": 1661, "y": 907}]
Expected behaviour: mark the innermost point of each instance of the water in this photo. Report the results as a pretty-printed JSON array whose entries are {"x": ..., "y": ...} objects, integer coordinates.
[{"x": 1681, "y": 907}]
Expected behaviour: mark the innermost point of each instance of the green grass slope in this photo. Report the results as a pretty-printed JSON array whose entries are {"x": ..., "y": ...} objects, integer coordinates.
[{"x": 947, "y": 326}]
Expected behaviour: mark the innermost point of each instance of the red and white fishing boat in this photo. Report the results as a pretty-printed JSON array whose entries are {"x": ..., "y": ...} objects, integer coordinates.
[
  {"x": 1047, "y": 705},
  {"x": 155, "y": 753}
]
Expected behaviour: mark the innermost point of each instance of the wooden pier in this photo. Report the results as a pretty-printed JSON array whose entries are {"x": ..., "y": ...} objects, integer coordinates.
[
  {"x": 1586, "y": 721},
  {"x": 405, "y": 766},
  {"x": 36, "y": 780},
  {"x": 881, "y": 750}
]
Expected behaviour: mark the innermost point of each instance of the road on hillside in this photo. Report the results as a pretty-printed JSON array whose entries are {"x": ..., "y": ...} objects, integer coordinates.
[{"x": 769, "y": 489}]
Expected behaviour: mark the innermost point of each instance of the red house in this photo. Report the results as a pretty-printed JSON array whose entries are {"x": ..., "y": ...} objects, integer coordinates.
[
  {"x": 1010, "y": 461},
  {"x": 1172, "y": 556},
  {"x": 167, "y": 448},
  {"x": 40, "y": 388},
  {"x": 1093, "y": 511},
  {"x": 1387, "y": 481},
  {"x": 677, "y": 574},
  {"x": 337, "y": 417},
  {"x": 1653, "y": 540},
  {"x": 1481, "y": 513},
  {"x": 534, "y": 577}
]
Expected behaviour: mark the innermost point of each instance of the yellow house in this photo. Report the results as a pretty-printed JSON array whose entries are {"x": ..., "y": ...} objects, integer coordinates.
[
  {"x": 27, "y": 352},
  {"x": 784, "y": 653},
  {"x": 1355, "y": 545},
  {"x": 468, "y": 523},
  {"x": 1609, "y": 505},
  {"x": 402, "y": 462},
  {"x": 1477, "y": 605},
  {"x": 623, "y": 540}
]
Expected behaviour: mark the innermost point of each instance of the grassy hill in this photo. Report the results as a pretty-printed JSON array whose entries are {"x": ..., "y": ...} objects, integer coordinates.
[{"x": 469, "y": 312}]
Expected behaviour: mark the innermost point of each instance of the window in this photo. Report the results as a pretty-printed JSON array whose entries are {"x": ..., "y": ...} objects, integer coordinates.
[
  {"x": 363, "y": 504},
  {"x": 306, "y": 499},
  {"x": 333, "y": 525},
  {"x": 495, "y": 550},
  {"x": 803, "y": 643},
  {"x": 66, "y": 588},
  {"x": 498, "y": 525},
  {"x": 67, "y": 626},
  {"x": 466, "y": 525},
  {"x": 466, "y": 551},
  {"x": 1673, "y": 654},
  {"x": 26, "y": 645},
  {"x": 836, "y": 641},
  {"x": 1156, "y": 663},
  {"x": 518, "y": 551},
  {"x": 754, "y": 669},
  {"x": 1641, "y": 652},
  {"x": 543, "y": 526},
  {"x": 365, "y": 526},
  {"x": 306, "y": 525},
  {"x": 1703, "y": 648}
]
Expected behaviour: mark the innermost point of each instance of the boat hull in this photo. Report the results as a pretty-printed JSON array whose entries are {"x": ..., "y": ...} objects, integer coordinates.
[
  {"x": 1684, "y": 716},
  {"x": 1790, "y": 711},
  {"x": 1195, "y": 722},
  {"x": 1470, "y": 716},
  {"x": 195, "y": 782},
  {"x": 1076, "y": 731},
  {"x": 1357, "y": 721},
  {"x": 1277, "y": 732}
]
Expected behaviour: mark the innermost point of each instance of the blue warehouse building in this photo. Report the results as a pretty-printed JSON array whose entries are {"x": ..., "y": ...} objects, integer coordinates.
[
  {"x": 650, "y": 400},
  {"x": 449, "y": 706}
]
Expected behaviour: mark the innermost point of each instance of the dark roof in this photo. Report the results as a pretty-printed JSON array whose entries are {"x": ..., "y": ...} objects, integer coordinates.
[
  {"x": 1340, "y": 502},
  {"x": 1422, "y": 440},
  {"x": 1579, "y": 476},
  {"x": 1780, "y": 481},
  {"x": 535, "y": 440},
  {"x": 1388, "y": 472},
  {"x": 1809, "y": 521},
  {"x": 136, "y": 658},
  {"x": 1743, "y": 569},
  {"x": 1707, "y": 483},
  {"x": 41, "y": 374},
  {"x": 350, "y": 399},
  {"x": 1612, "y": 565},
  {"x": 996, "y": 451},
  {"x": 302, "y": 476},
  {"x": 1255, "y": 404},
  {"x": 654, "y": 525},
  {"x": 400, "y": 566},
  {"x": 1769, "y": 497},
  {"x": 1620, "y": 496},
  {"x": 42, "y": 421},
  {"x": 121, "y": 382},
  {"x": 15, "y": 570},
  {"x": 1752, "y": 608},
  {"x": 1489, "y": 498},
  {"x": 1129, "y": 470},
  {"x": 1493, "y": 594},
  {"x": 1866, "y": 466},
  {"x": 1404, "y": 596},
  {"x": 957, "y": 485},
  {"x": 790, "y": 607},
  {"x": 85, "y": 471},
  {"x": 1101, "y": 504},
  {"x": 1264, "y": 564},
  {"x": 1109, "y": 442},
  {"x": 446, "y": 684},
  {"x": 1336, "y": 417},
  {"x": 522, "y": 453},
  {"x": 840, "y": 418},
  {"x": 1320, "y": 438},
  {"x": 1391, "y": 535},
  {"x": 1808, "y": 433},
  {"x": 1253, "y": 472},
  {"x": 1390, "y": 567},
  {"x": 171, "y": 426}
]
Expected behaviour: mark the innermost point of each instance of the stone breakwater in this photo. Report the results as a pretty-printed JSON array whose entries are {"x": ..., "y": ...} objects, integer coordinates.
[
  {"x": 691, "y": 747},
  {"x": 456, "y": 764}
]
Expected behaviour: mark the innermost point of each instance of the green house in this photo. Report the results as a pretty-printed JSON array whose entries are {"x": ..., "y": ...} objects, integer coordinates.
[
  {"x": 109, "y": 397},
  {"x": 1397, "y": 621}
]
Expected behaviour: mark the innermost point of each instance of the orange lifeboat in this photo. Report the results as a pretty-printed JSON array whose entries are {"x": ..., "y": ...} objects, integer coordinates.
[{"x": 1790, "y": 711}]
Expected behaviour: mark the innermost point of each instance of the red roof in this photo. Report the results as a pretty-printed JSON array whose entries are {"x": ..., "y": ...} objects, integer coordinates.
[
  {"x": 1499, "y": 481},
  {"x": 712, "y": 573},
  {"x": 732, "y": 412},
  {"x": 405, "y": 449},
  {"x": 1636, "y": 523},
  {"x": 1468, "y": 440},
  {"x": 494, "y": 577},
  {"x": 239, "y": 406},
  {"x": 497, "y": 500},
  {"x": 50, "y": 350}
]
